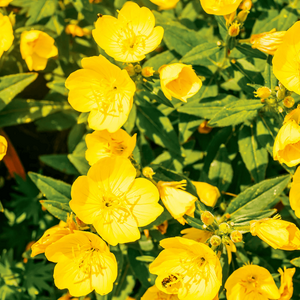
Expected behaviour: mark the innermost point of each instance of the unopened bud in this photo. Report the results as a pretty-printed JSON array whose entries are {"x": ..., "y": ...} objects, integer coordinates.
[
  {"x": 242, "y": 15},
  {"x": 229, "y": 18},
  {"x": 288, "y": 101},
  {"x": 148, "y": 172},
  {"x": 12, "y": 18},
  {"x": 147, "y": 71},
  {"x": 263, "y": 92},
  {"x": 215, "y": 241},
  {"x": 137, "y": 69},
  {"x": 236, "y": 236},
  {"x": 234, "y": 29},
  {"x": 130, "y": 70},
  {"x": 203, "y": 128},
  {"x": 224, "y": 228},
  {"x": 280, "y": 94},
  {"x": 246, "y": 5},
  {"x": 207, "y": 218},
  {"x": 280, "y": 109}
]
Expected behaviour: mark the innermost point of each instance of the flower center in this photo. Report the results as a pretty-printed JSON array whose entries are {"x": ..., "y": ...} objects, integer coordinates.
[
  {"x": 118, "y": 147},
  {"x": 170, "y": 280},
  {"x": 111, "y": 201}
]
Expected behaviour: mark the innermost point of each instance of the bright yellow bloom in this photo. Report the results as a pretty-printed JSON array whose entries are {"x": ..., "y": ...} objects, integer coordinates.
[
  {"x": 102, "y": 144},
  {"x": 177, "y": 201},
  {"x": 286, "y": 60},
  {"x": 220, "y": 7},
  {"x": 286, "y": 147},
  {"x": 187, "y": 268},
  {"x": 116, "y": 203},
  {"x": 165, "y": 4},
  {"x": 263, "y": 92},
  {"x": 3, "y": 146},
  {"x": 4, "y": 3},
  {"x": 267, "y": 42},
  {"x": 103, "y": 89},
  {"x": 251, "y": 282},
  {"x": 75, "y": 30},
  {"x": 84, "y": 264},
  {"x": 207, "y": 193},
  {"x": 129, "y": 37},
  {"x": 179, "y": 81},
  {"x": 197, "y": 235},
  {"x": 286, "y": 288},
  {"x": 6, "y": 33},
  {"x": 147, "y": 71},
  {"x": 153, "y": 293},
  {"x": 295, "y": 193},
  {"x": 36, "y": 48},
  {"x": 277, "y": 233}
]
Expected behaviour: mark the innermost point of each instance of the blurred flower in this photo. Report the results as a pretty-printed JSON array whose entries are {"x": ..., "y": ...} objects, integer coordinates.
[
  {"x": 286, "y": 147},
  {"x": 251, "y": 282},
  {"x": 267, "y": 42},
  {"x": 4, "y": 3},
  {"x": 179, "y": 81},
  {"x": 102, "y": 144},
  {"x": 246, "y": 5},
  {"x": 217, "y": 7},
  {"x": 177, "y": 201},
  {"x": 234, "y": 29},
  {"x": 288, "y": 102},
  {"x": 277, "y": 233},
  {"x": 203, "y": 128},
  {"x": 165, "y": 4},
  {"x": 197, "y": 235},
  {"x": 84, "y": 263},
  {"x": 286, "y": 288},
  {"x": 104, "y": 89},
  {"x": 207, "y": 193},
  {"x": 187, "y": 268},
  {"x": 263, "y": 92},
  {"x": 295, "y": 193},
  {"x": 3, "y": 146},
  {"x": 130, "y": 70},
  {"x": 75, "y": 30},
  {"x": 129, "y": 37},
  {"x": 286, "y": 60},
  {"x": 116, "y": 203},
  {"x": 153, "y": 293},
  {"x": 147, "y": 71},
  {"x": 6, "y": 34},
  {"x": 36, "y": 47}
]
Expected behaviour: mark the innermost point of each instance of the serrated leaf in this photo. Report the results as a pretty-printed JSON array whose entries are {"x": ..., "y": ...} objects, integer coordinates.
[
  {"x": 57, "y": 209},
  {"x": 40, "y": 9},
  {"x": 11, "y": 85},
  {"x": 254, "y": 157},
  {"x": 51, "y": 188}
]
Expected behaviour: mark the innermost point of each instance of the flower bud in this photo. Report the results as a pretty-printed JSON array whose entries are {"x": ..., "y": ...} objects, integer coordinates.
[
  {"x": 246, "y": 5},
  {"x": 236, "y": 236},
  {"x": 288, "y": 101},
  {"x": 224, "y": 228},
  {"x": 263, "y": 92},
  {"x": 207, "y": 218},
  {"x": 137, "y": 69},
  {"x": 203, "y": 128},
  {"x": 215, "y": 241},
  {"x": 130, "y": 70},
  {"x": 242, "y": 16},
  {"x": 207, "y": 193},
  {"x": 234, "y": 29},
  {"x": 3, "y": 146},
  {"x": 229, "y": 18},
  {"x": 147, "y": 71},
  {"x": 148, "y": 172},
  {"x": 280, "y": 94}
]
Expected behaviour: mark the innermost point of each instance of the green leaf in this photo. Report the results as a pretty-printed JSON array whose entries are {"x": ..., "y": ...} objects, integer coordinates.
[
  {"x": 220, "y": 171},
  {"x": 187, "y": 125},
  {"x": 235, "y": 113},
  {"x": 253, "y": 216},
  {"x": 51, "y": 188},
  {"x": 287, "y": 17},
  {"x": 259, "y": 197},
  {"x": 57, "y": 209},
  {"x": 270, "y": 79},
  {"x": 11, "y": 85},
  {"x": 296, "y": 262},
  {"x": 40, "y": 9},
  {"x": 254, "y": 157},
  {"x": 196, "y": 223},
  {"x": 25, "y": 111},
  {"x": 160, "y": 59},
  {"x": 130, "y": 123},
  {"x": 266, "y": 21},
  {"x": 249, "y": 51}
]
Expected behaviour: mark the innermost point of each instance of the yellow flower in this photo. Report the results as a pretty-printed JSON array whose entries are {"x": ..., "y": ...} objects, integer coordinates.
[
  {"x": 267, "y": 42},
  {"x": 36, "y": 47},
  {"x": 234, "y": 29},
  {"x": 288, "y": 101},
  {"x": 75, "y": 30},
  {"x": 197, "y": 235},
  {"x": 277, "y": 233},
  {"x": 6, "y": 33},
  {"x": 286, "y": 60},
  {"x": 102, "y": 144},
  {"x": 251, "y": 282},
  {"x": 153, "y": 293},
  {"x": 116, "y": 203},
  {"x": 246, "y": 5},
  {"x": 187, "y": 268},
  {"x": 220, "y": 7},
  {"x": 84, "y": 263},
  {"x": 129, "y": 37},
  {"x": 286, "y": 288},
  {"x": 207, "y": 193},
  {"x": 295, "y": 193},
  {"x": 286, "y": 147},
  {"x": 3, "y": 146},
  {"x": 177, "y": 201},
  {"x": 165, "y": 4},
  {"x": 104, "y": 89},
  {"x": 263, "y": 92},
  {"x": 4, "y": 3},
  {"x": 179, "y": 81},
  {"x": 147, "y": 71}
]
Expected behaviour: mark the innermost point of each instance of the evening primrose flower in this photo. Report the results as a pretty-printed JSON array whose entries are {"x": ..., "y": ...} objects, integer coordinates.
[
  {"x": 36, "y": 48},
  {"x": 6, "y": 33},
  {"x": 177, "y": 201},
  {"x": 286, "y": 288},
  {"x": 198, "y": 235},
  {"x": 3, "y": 146},
  {"x": 76, "y": 30},
  {"x": 153, "y": 293},
  {"x": 4, "y": 3},
  {"x": 286, "y": 147},
  {"x": 179, "y": 81},
  {"x": 286, "y": 60},
  {"x": 165, "y": 4},
  {"x": 84, "y": 264},
  {"x": 187, "y": 268},
  {"x": 277, "y": 233},
  {"x": 116, "y": 203},
  {"x": 217, "y": 7},
  {"x": 207, "y": 193},
  {"x": 102, "y": 143},
  {"x": 251, "y": 282},
  {"x": 129, "y": 37},
  {"x": 103, "y": 89},
  {"x": 295, "y": 193},
  {"x": 267, "y": 42}
]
